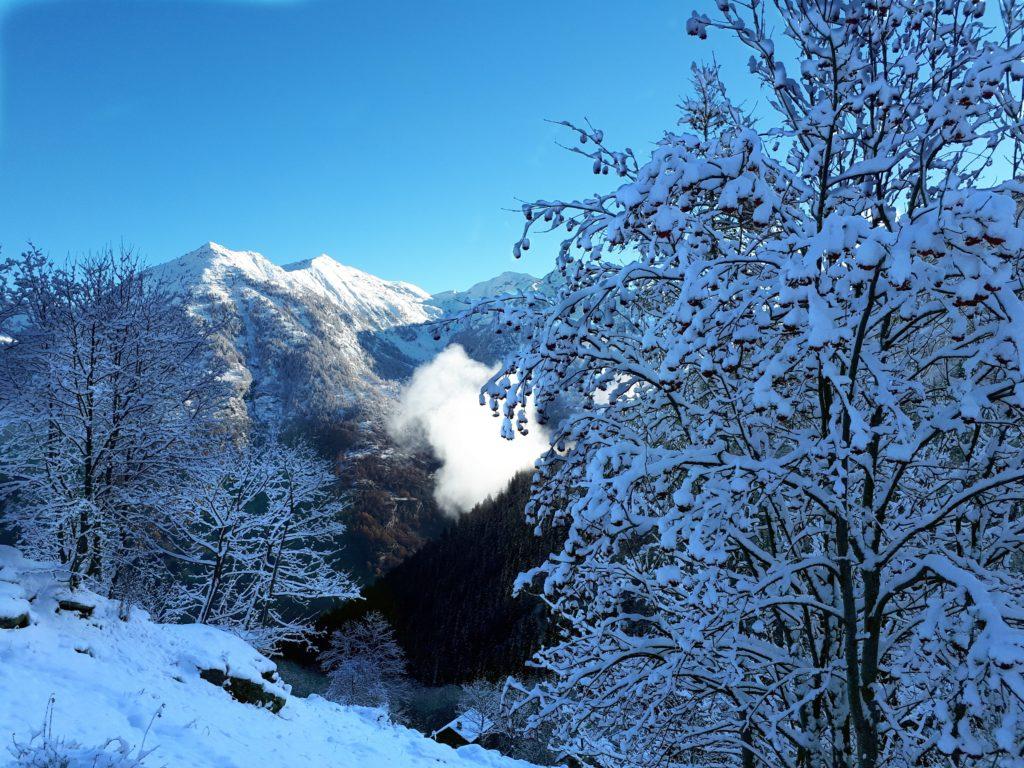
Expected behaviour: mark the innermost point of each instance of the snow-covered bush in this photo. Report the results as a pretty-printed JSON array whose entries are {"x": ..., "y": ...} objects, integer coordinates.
[
  {"x": 45, "y": 750},
  {"x": 793, "y": 484}
]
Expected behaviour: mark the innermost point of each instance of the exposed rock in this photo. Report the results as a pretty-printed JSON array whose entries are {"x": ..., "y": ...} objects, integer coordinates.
[
  {"x": 249, "y": 692},
  {"x": 84, "y": 610},
  {"x": 216, "y": 676},
  {"x": 246, "y": 691},
  {"x": 16, "y": 621},
  {"x": 14, "y": 605}
]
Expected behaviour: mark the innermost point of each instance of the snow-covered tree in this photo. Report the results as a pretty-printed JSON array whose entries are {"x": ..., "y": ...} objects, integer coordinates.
[
  {"x": 105, "y": 389},
  {"x": 11, "y": 294},
  {"x": 481, "y": 704},
  {"x": 793, "y": 484},
  {"x": 305, "y": 515},
  {"x": 248, "y": 535},
  {"x": 708, "y": 111},
  {"x": 210, "y": 530},
  {"x": 365, "y": 665}
]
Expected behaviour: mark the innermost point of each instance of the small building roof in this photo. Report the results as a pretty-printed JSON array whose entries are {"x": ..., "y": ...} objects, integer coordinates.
[{"x": 470, "y": 725}]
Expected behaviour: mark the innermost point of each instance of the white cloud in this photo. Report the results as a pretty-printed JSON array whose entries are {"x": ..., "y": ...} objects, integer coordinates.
[{"x": 440, "y": 406}]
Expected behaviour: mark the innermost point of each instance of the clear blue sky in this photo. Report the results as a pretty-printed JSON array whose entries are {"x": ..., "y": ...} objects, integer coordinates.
[{"x": 392, "y": 134}]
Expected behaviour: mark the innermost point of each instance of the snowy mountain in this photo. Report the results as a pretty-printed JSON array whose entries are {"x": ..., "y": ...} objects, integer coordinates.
[
  {"x": 307, "y": 339},
  {"x": 316, "y": 338},
  {"x": 87, "y": 682},
  {"x": 369, "y": 302},
  {"x": 505, "y": 283}
]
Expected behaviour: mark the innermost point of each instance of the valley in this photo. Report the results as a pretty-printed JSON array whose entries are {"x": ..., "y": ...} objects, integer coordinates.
[{"x": 321, "y": 350}]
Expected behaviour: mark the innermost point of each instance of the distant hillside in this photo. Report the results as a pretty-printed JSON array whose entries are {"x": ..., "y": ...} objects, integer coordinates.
[
  {"x": 485, "y": 338},
  {"x": 505, "y": 283},
  {"x": 451, "y": 603}
]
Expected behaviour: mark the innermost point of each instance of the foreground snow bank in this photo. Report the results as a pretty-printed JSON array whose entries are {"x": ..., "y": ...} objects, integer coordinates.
[{"x": 117, "y": 678}]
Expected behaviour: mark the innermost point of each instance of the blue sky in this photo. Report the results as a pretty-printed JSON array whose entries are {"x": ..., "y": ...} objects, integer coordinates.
[{"x": 392, "y": 134}]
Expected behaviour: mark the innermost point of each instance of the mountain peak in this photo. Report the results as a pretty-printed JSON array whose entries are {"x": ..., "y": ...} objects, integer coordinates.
[
  {"x": 506, "y": 282},
  {"x": 211, "y": 249},
  {"x": 212, "y": 261},
  {"x": 369, "y": 301},
  {"x": 317, "y": 262},
  {"x": 512, "y": 275}
]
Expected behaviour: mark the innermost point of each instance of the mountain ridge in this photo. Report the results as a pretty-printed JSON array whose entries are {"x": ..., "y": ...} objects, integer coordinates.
[
  {"x": 249, "y": 261},
  {"x": 377, "y": 325},
  {"x": 322, "y": 274},
  {"x": 307, "y": 338}
]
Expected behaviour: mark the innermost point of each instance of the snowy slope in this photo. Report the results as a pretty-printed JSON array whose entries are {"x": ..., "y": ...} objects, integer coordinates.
[
  {"x": 113, "y": 678},
  {"x": 372, "y": 303}
]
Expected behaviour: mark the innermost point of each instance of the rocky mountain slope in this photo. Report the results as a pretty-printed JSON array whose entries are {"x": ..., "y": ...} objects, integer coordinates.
[
  {"x": 316, "y": 337},
  {"x": 310, "y": 339}
]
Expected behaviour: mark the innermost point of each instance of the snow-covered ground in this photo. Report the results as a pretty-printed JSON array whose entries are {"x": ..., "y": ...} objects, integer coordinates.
[{"x": 140, "y": 681}]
